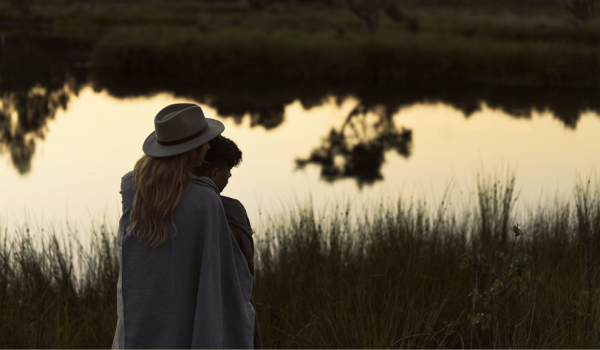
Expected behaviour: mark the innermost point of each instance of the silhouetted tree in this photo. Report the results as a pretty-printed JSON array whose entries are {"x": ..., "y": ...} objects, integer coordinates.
[{"x": 358, "y": 148}]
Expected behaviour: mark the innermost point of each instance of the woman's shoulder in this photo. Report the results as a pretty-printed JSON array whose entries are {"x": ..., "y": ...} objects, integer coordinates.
[
  {"x": 200, "y": 202},
  {"x": 203, "y": 192},
  {"x": 204, "y": 184}
]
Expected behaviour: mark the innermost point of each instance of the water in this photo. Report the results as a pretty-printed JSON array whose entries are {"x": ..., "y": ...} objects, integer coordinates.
[
  {"x": 68, "y": 133},
  {"x": 76, "y": 169}
]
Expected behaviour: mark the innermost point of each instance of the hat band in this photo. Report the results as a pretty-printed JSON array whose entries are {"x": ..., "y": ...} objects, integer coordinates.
[{"x": 185, "y": 139}]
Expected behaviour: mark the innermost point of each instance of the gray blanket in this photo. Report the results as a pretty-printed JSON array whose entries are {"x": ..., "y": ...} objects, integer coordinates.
[
  {"x": 194, "y": 291},
  {"x": 242, "y": 231}
]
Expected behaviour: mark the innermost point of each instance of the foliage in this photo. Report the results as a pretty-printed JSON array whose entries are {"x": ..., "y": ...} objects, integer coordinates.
[
  {"x": 511, "y": 280},
  {"x": 399, "y": 275},
  {"x": 457, "y": 40},
  {"x": 334, "y": 55},
  {"x": 52, "y": 297}
]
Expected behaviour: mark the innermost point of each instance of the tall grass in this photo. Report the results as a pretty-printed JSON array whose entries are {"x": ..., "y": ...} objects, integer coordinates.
[
  {"x": 338, "y": 53},
  {"x": 58, "y": 294},
  {"x": 401, "y": 275}
]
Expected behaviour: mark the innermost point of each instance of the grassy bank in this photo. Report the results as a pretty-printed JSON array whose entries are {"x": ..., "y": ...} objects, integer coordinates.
[
  {"x": 457, "y": 45},
  {"x": 403, "y": 275},
  {"x": 510, "y": 43},
  {"x": 335, "y": 56}
]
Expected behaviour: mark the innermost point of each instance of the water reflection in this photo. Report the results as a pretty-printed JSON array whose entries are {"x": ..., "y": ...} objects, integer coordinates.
[
  {"x": 565, "y": 105},
  {"x": 357, "y": 149},
  {"x": 32, "y": 108},
  {"x": 268, "y": 114},
  {"x": 38, "y": 77}
]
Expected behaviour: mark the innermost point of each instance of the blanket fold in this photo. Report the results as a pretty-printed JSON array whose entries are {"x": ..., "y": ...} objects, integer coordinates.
[{"x": 194, "y": 291}]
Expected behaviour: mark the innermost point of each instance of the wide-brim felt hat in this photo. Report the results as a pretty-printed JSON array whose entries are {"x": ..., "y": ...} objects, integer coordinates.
[{"x": 179, "y": 128}]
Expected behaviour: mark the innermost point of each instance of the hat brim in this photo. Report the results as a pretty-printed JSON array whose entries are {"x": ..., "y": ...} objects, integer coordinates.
[{"x": 154, "y": 149}]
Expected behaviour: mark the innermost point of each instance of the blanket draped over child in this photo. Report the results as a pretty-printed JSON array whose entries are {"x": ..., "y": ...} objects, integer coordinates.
[{"x": 195, "y": 290}]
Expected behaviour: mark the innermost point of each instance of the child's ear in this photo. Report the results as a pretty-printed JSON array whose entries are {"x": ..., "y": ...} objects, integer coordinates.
[{"x": 214, "y": 172}]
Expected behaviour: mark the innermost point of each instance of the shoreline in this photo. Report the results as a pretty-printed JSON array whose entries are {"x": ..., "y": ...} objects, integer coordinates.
[{"x": 534, "y": 46}]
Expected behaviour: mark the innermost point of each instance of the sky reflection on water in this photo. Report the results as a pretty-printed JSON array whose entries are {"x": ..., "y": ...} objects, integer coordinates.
[{"x": 76, "y": 170}]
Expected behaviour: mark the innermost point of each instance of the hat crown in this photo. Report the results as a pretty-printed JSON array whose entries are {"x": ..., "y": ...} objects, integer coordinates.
[
  {"x": 179, "y": 128},
  {"x": 178, "y": 121}
]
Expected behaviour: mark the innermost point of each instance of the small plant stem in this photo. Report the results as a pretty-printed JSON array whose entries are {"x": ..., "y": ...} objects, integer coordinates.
[
  {"x": 505, "y": 301},
  {"x": 476, "y": 291},
  {"x": 589, "y": 275}
]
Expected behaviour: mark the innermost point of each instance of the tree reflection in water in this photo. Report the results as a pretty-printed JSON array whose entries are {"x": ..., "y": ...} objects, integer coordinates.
[
  {"x": 37, "y": 79},
  {"x": 358, "y": 148},
  {"x": 268, "y": 114},
  {"x": 23, "y": 118},
  {"x": 38, "y": 76}
]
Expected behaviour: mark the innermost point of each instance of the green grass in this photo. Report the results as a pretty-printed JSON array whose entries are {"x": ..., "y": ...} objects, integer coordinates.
[
  {"x": 46, "y": 301},
  {"x": 400, "y": 275},
  {"x": 333, "y": 55},
  {"x": 537, "y": 43}
]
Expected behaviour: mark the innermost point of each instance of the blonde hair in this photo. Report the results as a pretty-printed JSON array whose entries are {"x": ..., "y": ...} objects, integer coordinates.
[{"x": 160, "y": 184}]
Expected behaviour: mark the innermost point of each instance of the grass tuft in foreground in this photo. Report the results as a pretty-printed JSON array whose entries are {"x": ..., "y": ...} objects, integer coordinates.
[
  {"x": 53, "y": 298},
  {"x": 400, "y": 276}
]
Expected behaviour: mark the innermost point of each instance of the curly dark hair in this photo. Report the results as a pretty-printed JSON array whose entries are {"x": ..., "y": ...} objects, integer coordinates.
[{"x": 223, "y": 152}]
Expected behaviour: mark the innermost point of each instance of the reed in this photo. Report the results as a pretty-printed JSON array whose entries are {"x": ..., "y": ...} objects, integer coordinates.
[
  {"x": 400, "y": 275},
  {"x": 58, "y": 294}
]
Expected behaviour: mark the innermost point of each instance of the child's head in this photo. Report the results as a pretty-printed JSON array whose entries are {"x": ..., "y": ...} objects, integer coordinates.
[{"x": 223, "y": 155}]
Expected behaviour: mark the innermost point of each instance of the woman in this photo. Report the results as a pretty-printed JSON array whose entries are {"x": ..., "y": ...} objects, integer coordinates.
[{"x": 183, "y": 282}]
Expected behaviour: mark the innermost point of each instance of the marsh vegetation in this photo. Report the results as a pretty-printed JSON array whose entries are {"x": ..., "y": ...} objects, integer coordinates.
[
  {"x": 508, "y": 42},
  {"x": 405, "y": 274}
]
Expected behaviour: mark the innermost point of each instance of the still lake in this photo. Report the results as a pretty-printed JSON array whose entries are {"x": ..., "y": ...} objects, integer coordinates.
[{"x": 75, "y": 169}]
